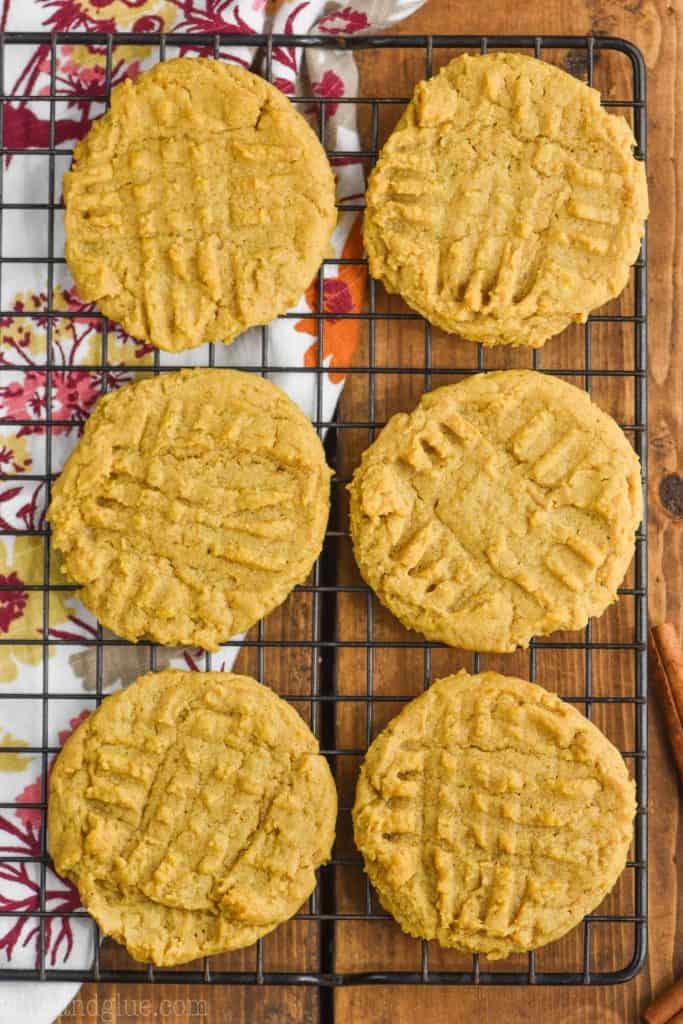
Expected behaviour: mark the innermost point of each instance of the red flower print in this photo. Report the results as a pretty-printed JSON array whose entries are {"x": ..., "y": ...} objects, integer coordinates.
[
  {"x": 149, "y": 23},
  {"x": 287, "y": 55},
  {"x": 337, "y": 296},
  {"x": 284, "y": 85},
  {"x": 87, "y": 632},
  {"x": 341, "y": 294},
  {"x": 32, "y": 794},
  {"x": 214, "y": 18},
  {"x": 74, "y": 394},
  {"x": 23, "y": 129},
  {"x": 72, "y": 726},
  {"x": 347, "y": 21},
  {"x": 73, "y": 77},
  {"x": 24, "y": 900},
  {"x": 12, "y": 602},
  {"x": 71, "y": 300},
  {"x": 329, "y": 85},
  {"x": 77, "y": 14},
  {"x": 25, "y": 399},
  {"x": 23, "y": 343}
]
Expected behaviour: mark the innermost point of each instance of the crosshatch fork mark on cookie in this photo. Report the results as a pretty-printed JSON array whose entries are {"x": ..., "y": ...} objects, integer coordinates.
[
  {"x": 191, "y": 810},
  {"x": 192, "y": 506},
  {"x": 200, "y": 204},
  {"x": 502, "y": 507},
  {"x": 491, "y": 816},
  {"x": 506, "y": 204}
]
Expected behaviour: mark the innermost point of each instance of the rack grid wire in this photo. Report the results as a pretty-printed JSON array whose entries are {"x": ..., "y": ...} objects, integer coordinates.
[{"x": 325, "y": 589}]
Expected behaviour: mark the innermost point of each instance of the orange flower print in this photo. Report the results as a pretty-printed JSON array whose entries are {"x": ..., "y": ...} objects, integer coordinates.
[{"x": 341, "y": 294}]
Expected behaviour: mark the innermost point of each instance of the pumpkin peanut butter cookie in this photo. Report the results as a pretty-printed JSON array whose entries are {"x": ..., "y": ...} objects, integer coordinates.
[
  {"x": 191, "y": 810},
  {"x": 199, "y": 204},
  {"x": 193, "y": 504},
  {"x": 491, "y": 815},
  {"x": 506, "y": 203},
  {"x": 502, "y": 507}
]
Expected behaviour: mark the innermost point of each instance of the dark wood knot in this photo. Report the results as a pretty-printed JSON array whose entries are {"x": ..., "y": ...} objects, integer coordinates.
[{"x": 671, "y": 495}]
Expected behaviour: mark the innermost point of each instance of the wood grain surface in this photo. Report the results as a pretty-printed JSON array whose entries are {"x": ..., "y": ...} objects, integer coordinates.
[{"x": 655, "y": 26}]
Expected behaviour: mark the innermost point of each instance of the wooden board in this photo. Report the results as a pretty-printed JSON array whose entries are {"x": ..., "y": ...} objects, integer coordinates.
[{"x": 655, "y": 26}]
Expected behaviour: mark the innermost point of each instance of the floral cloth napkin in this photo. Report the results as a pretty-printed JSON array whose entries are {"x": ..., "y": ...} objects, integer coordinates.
[{"x": 71, "y": 667}]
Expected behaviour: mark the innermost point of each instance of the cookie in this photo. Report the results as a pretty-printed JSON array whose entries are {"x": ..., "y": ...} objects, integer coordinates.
[
  {"x": 191, "y": 810},
  {"x": 507, "y": 203},
  {"x": 491, "y": 815},
  {"x": 200, "y": 204},
  {"x": 192, "y": 505},
  {"x": 502, "y": 507}
]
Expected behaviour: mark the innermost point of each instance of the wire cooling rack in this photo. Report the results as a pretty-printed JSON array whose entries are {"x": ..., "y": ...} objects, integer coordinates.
[{"x": 342, "y": 913}]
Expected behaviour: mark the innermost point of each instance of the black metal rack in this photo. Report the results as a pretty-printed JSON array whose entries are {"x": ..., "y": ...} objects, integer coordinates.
[{"x": 323, "y": 697}]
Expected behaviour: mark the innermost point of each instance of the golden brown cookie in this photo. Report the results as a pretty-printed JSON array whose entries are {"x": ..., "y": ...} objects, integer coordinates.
[
  {"x": 191, "y": 810},
  {"x": 192, "y": 505},
  {"x": 200, "y": 204},
  {"x": 491, "y": 815},
  {"x": 502, "y": 507},
  {"x": 506, "y": 204}
]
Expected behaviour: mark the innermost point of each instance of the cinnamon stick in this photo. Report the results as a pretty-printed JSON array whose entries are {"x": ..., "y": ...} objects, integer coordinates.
[
  {"x": 668, "y": 1008},
  {"x": 667, "y": 673}
]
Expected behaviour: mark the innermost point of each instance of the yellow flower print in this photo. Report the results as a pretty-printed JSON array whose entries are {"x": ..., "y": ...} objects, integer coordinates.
[
  {"x": 80, "y": 340},
  {"x": 10, "y": 761},
  {"x": 127, "y": 15},
  {"x": 74, "y": 339},
  {"x": 14, "y": 454},
  {"x": 26, "y": 337},
  {"x": 21, "y": 610}
]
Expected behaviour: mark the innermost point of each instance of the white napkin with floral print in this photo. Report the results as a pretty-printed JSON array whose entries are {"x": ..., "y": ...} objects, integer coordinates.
[{"x": 68, "y": 941}]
